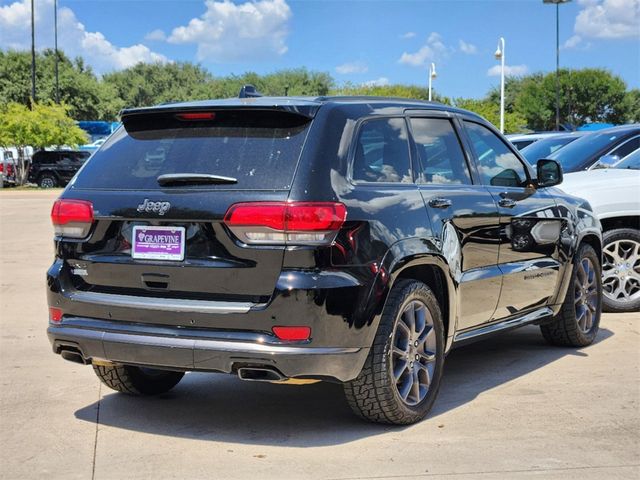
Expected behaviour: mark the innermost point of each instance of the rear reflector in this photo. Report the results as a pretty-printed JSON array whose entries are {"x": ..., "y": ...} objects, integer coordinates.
[
  {"x": 55, "y": 315},
  {"x": 196, "y": 116},
  {"x": 72, "y": 218},
  {"x": 294, "y": 223},
  {"x": 292, "y": 333}
]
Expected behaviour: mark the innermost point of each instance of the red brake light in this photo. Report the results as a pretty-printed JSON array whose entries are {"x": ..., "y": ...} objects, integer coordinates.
[
  {"x": 196, "y": 116},
  {"x": 311, "y": 223},
  {"x": 72, "y": 218},
  {"x": 292, "y": 333},
  {"x": 55, "y": 315}
]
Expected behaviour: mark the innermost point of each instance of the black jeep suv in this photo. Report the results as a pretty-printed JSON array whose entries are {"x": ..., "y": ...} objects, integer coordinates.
[
  {"x": 353, "y": 240},
  {"x": 55, "y": 168}
]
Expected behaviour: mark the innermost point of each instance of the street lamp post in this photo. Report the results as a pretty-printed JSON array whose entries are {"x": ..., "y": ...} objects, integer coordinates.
[
  {"x": 432, "y": 75},
  {"x": 500, "y": 56},
  {"x": 557, "y": 4},
  {"x": 33, "y": 57},
  {"x": 55, "y": 37}
]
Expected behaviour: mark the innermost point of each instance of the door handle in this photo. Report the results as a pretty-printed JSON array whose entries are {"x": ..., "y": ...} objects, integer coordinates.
[
  {"x": 507, "y": 202},
  {"x": 439, "y": 202}
]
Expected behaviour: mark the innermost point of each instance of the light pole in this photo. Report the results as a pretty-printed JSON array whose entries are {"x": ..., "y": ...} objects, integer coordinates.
[
  {"x": 432, "y": 75},
  {"x": 55, "y": 37},
  {"x": 33, "y": 57},
  {"x": 557, "y": 3},
  {"x": 500, "y": 56}
]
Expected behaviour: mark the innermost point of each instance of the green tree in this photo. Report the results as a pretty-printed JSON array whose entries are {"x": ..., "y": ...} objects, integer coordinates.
[
  {"x": 394, "y": 90},
  {"x": 87, "y": 97},
  {"x": 586, "y": 95},
  {"x": 43, "y": 126},
  {"x": 488, "y": 109},
  {"x": 632, "y": 100},
  {"x": 147, "y": 84}
]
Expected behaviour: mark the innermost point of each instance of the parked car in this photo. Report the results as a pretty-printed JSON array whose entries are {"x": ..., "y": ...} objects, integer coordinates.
[
  {"x": 614, "y": 195},
  {"x": 546, "y": 146},
  {"x": 522, "y": 140},
  {"x": 354, "y": 240},
  {"x": 93, "y": 146},
  {"x": 7, "y": 168},
  {"x": 55, "y": 168},
  {"x": 598, "y": 149}
]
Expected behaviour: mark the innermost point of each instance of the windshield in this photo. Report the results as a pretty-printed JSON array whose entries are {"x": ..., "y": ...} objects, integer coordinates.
[
  {"x": 577, "y": 155},
  {"x": 544, "y": 148},
  {"x": 630, "y": 161}
]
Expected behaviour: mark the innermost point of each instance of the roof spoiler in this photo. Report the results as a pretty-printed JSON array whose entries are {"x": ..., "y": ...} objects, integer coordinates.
[{"x": 249, "y": 91}]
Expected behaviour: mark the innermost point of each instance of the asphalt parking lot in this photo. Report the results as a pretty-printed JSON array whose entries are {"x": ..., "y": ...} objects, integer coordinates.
[{"x": 510, "y": 407}]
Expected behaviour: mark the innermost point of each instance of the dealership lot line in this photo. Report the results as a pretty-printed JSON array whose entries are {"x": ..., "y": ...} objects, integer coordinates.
[{"x": 510, "y": 407}]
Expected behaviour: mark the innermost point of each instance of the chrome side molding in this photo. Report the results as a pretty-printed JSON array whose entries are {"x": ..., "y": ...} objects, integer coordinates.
[{"x": 504, "y": 325}]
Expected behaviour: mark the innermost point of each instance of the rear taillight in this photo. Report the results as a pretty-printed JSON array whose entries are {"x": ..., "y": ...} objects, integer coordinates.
[
  {"x": 286, "y": 223},
  {"x": 72, "y": 218}
]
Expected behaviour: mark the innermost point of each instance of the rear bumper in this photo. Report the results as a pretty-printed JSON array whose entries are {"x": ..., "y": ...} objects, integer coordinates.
[{"x": 196, "y": 349}]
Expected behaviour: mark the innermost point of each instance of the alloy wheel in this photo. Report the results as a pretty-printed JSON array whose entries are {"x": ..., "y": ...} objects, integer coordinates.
[
  {"x": 621, "y": 270},
  {"x": 413, "y": 352},
  {"x": 586, "y": 295}
]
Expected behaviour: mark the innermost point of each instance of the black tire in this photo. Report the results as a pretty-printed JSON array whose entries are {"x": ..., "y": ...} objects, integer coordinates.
[
  {"x": 568, "y": 328},
  {"x": 136, "y": 380},
  {"x": 47, "y": 180},
  {"x": 620, "y": 241},
  {"x": 374, "y": 394}
]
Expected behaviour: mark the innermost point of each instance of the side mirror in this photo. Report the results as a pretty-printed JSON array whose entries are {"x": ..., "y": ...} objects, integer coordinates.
[
  {"x": 549, "y": 173},
  {"x": 606, "y": 161}
]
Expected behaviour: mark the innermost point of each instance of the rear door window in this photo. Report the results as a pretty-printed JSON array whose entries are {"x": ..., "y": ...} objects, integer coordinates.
[
  {"x": 440, "y": 157},
  {"x": 260, "y": 150},
  {"x": 382, "y": 152}
]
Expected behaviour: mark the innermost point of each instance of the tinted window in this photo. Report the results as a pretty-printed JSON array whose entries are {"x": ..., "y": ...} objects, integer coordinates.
[
  {"x": 544, "y": 148},
  {"x": 439, "y": 152},
  {"x": 260, "y": 157},
  {"x": 497, "y": 164},
  {"x": 630, "y": 161},
  {"x": 382, "y": 152},
  {"x": 627, "y": 147},
  {"x": 520, "y": 144},
  {"x": 579, "y": 155}
]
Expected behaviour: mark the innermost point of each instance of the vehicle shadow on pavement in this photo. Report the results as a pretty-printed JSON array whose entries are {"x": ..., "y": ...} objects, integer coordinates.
[{"x": 224, "y": 409}]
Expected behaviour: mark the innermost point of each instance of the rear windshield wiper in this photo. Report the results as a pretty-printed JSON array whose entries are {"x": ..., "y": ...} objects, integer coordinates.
[{"x": 170, "y": 179}]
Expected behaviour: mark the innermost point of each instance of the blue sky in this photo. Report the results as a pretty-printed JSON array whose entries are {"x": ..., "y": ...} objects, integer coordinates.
[{"x": 356, "y": 41}]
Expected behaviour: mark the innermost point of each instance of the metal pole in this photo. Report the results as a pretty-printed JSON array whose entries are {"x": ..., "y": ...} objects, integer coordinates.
[
  {"x": 429, "y": 83},
  {"x": 33, "y": 57},
  {"x": 502, "y": 87},
  {"x": 55, "y": 29},
  {"x": 557, "y": 66}
]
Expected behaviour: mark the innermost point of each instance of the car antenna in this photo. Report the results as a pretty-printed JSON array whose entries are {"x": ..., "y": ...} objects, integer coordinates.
[{"x": 249, "y": 91}]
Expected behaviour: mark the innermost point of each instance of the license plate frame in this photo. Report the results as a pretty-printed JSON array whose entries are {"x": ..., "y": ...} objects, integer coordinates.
[{"x": 158, "y": 243}]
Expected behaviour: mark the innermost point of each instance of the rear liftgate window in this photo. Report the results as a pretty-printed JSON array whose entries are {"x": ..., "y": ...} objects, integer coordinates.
[{"x": 260, "y": 149}]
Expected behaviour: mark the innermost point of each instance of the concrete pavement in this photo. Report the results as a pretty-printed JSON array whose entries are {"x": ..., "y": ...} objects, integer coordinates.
[{"x": 510, "y": 407}]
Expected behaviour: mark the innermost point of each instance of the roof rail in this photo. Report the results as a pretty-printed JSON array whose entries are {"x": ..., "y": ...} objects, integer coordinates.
[{"x": 249, "y": 91}]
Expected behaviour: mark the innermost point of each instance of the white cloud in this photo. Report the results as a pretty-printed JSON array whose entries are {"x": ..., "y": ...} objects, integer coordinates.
[
  {"x": 408, "y": 35},
  {"x": 378, "y": 82},
  {"x": 352, "y": 67},
  {"x": 430, "y": 51},
  {"x": 608, "y": 19},
  {"x": 468, "y": 48},
  {"x": 509, "y": 70},
  {"x": 73, "y": 37},
  {"x": 572, "y": 42},
  {"x": 232, "y": 32},
  {"x": 155, "y": 36}
]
